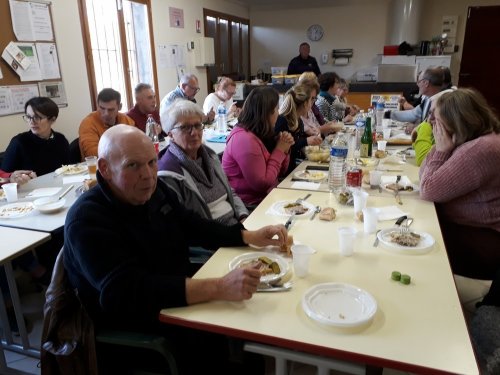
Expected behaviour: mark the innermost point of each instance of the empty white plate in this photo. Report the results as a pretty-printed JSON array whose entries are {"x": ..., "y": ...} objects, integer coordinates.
[{"x": 339, "y": 304}]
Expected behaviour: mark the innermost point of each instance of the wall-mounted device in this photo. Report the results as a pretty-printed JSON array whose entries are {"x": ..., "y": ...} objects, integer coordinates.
[
  {"x": 324, "y": 58},
  {"x": 341, "y": 56}
]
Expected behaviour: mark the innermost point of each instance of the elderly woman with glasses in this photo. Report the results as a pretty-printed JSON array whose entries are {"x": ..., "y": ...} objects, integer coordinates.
[
  {"x": 226, "y": 88},
  {"x": 40, "y": 149},
  {"x": 460, "y": 175},
  {"x": 192, "y": 170}
]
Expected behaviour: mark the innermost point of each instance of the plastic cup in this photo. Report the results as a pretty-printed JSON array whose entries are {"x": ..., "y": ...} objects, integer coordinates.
[
  {"x": 386, "y": 122},
  {"x": 387, "y": 133},
  {"x": 370, "y": 219},
  {"x": 375, "y": 179},
  {"x": 10, "y": 191},
  {"x": 381, "y": 145},
  {"x": 347, "y": 236},
  {"x": 301, "y": 256},
  {"x": 92, "y": 166},
  {"x": 360, "y": 198}
]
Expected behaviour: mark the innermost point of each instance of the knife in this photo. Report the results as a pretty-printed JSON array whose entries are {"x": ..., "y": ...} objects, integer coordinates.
[
  {"x": 396, "y": 192},
  {"x": 289, "y": 221},
  {"x": 400, "y": 220}
]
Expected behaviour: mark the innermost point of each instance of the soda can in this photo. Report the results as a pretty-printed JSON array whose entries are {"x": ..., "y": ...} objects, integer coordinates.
[{"x": 354, "y": 177}]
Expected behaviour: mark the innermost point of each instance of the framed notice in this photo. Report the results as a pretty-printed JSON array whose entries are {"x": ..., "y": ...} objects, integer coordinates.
[
  {"x": 176, "y": 17},
  {"x": 55, "y": 91}
]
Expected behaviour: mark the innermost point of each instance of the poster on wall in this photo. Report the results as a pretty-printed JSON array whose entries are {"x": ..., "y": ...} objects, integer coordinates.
[
  {"x": 176, "y": 17},
  {"x": 12, "y": 98},
  {"x": 55, "y": 91},
  {"x": 31, "y": 20}
]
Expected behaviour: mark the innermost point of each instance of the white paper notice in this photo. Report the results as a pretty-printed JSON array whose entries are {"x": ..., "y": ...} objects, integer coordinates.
[
  {"x": 55, "y": 91},
  {"x": 41, "y": 23},
  {"x": 49, "y": 63},
  {"x": 5, "y": 101},
  {"x": 20, "y": 95},
  {"x": 20, "y": 12},
  {"x": 18, "y": 55},
  {"x": 33, "y": 73}
]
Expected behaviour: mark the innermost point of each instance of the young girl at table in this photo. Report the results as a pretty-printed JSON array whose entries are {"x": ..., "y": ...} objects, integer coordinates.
[
  {"x": 460, "y": 174},
  {"x": 296, "y": 103},
  {"x": 254, "y": 157}
]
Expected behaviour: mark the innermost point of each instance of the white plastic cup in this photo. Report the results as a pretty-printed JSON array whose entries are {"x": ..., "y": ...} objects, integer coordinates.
[
  {"x": 370, "y": 219},
  {"x": 92, "y": 166},
  {"x": 301, "y": 256},
  {"x": 360, "y": 198},
  {"x": 386, "y": 122},
  {"x": 10, "y": 191},
  {"x": 387, "y": 133},
  {"x": 381, "y": 145},
  {"x": 375, "y": 179},
  {"x": 347, "y": 236}
]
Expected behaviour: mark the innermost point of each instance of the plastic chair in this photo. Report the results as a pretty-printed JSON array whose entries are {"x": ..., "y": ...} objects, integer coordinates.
[
  {"x": 74, "y": 151},
  {"x": 155, "y": 343}
]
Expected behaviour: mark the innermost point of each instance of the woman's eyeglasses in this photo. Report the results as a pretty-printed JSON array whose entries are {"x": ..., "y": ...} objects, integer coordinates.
[
  {"x": 188, "y": 128},
  {"x": 34, "y": 118}
]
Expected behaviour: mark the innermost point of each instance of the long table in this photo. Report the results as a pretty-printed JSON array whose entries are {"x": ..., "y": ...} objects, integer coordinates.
[{"x": 418, "y": 327}]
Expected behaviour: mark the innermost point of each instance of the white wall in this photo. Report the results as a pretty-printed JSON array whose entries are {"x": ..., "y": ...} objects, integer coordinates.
[{"x": 68, "y": 35}]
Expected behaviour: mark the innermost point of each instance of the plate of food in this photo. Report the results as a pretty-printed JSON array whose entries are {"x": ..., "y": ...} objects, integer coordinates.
[
  {"x": 272, "y": 266},
  {"x": 311, "y": 175},
  {"x": 404, "y": 186},
  {"x": 14, "y": 210},
  {"x": 72, "y": 169},
  {"x": 2, "y": 195},
  {"x": 286, "y": 208},
  {"x": 411, "y": 242},
  {"x": 339, "y": 304}
]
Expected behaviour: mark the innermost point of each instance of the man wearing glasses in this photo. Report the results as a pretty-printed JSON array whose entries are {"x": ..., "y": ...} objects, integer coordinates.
[
  {"x": 187, "y": 89},
  {"x": 226, "y": 88}
]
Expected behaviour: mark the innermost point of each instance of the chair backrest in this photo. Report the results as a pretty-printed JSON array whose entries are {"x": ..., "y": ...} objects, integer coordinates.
[{"x": 74, "y": 151}]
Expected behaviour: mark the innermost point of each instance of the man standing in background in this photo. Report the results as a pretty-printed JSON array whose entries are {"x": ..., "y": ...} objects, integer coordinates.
[{"x": 303, "y": 62}]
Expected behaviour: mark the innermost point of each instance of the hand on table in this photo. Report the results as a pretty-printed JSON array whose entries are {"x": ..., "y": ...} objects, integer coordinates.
[
  {"x": 22, "y": 176},
  {"x": 314, "y": 140},
  {"x": 264, "y": 236}
]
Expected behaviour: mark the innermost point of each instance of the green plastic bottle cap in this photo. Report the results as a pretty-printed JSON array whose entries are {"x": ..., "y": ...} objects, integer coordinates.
[
  {"x": 396, "y": 275},
  {"x": 405, "y": 279}
]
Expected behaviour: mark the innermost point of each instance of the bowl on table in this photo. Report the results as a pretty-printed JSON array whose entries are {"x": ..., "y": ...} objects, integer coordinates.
[
  {"x": 48, "y": 205},
  {"x": 317, "y": 153}
]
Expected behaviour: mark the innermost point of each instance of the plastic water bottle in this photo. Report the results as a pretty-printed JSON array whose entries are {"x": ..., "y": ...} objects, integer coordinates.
[
  {"x": 379, "y": 114},
  {"x": 151, "y": 126},
  {"x": 221, "y": 118},
  {"x": 337, "y": 169}
]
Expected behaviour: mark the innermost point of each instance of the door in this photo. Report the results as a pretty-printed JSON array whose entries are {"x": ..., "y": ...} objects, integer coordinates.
[{"x": 481, "y": 52}]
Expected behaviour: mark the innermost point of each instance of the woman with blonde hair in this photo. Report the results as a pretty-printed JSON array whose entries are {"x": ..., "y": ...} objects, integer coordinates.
[
  {"x": 460, "y": 174},
  {"x": 296, "y": 103}
]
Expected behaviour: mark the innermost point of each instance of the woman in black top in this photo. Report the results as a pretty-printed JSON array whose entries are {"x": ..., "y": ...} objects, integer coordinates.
[{"x": 40, "y": 149}]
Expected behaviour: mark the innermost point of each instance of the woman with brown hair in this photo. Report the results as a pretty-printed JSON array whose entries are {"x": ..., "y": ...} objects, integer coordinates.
[
  {"x": 254, "y": 157},
  {"x": 460, "y": 174}
]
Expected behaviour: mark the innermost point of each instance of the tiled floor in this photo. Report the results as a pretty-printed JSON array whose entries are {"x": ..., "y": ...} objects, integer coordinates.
[{"x": 470, "y": 291}]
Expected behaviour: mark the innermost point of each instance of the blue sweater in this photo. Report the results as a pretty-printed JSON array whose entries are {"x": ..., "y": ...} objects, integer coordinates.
[{"x": 30, "y": 152}]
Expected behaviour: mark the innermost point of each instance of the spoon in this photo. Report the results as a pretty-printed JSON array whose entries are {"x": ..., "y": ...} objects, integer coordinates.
[
  {"x": 268, "y": 287},
  {"x": 316, "y": 210}
]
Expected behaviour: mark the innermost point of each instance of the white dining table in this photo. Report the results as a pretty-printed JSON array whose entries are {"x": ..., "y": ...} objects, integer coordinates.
[
  {"x": 418, "y": 328},
  {"x": 15, "y": 242}
]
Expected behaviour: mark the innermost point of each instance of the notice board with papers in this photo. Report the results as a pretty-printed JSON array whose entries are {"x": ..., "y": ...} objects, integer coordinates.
[{"x": 29, "y": 62}]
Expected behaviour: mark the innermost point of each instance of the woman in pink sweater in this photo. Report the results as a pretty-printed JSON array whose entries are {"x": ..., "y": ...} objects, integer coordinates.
[
  {"x": 461, "y": 175},
  {"x": 254, "y": 157}
]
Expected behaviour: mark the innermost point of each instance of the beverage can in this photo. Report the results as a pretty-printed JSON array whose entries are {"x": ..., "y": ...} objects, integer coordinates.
[{"x": 354, "y": 177}]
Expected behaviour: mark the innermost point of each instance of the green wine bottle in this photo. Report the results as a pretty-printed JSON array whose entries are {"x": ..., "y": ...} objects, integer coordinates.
[{"x": 365, "y": 150}]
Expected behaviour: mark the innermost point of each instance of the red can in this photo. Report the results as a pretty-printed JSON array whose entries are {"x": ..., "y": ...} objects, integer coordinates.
[{"x": 354, "y": 177}]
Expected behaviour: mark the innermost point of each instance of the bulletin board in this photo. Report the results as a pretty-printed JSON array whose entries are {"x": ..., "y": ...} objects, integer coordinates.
[{"x": 17, "y": 85}]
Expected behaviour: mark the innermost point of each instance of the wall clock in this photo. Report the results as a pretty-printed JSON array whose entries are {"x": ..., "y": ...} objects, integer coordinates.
[{"x": 315, "y": 32}]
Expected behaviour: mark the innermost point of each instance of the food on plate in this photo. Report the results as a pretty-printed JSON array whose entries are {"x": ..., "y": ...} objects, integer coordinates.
[
  {"x": 360, "y": 216},
  {"x": 72, "y": 169},
  {"x": 379, "y": 154},
  {"x": 345, "y": 198},
  {"x": 409, "y": 239},
  {"x": 396, "y": 275},
  {"x": 327, "y": 214},
  {"x": 405, "y": 279},
  {"x": 287, "y": 247},
  {"x": 2, "y": 194},
  {"x": 317, "y": 153},
  {"x": 295, "y": 208},
  {"x": 265, "y": 265},
  {"x": 311, "y": 175},
  {"x": 6, "y": 212},
  {"x": 399, "y": 187},
  {"x": 88, "y": 184}
]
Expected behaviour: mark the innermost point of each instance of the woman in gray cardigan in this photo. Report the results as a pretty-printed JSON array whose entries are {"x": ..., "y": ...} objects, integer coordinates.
[{"x": 192, "y": 170}]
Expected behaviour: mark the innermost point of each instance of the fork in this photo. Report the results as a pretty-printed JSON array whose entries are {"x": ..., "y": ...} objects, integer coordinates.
[{"x": 405, "y": 227}]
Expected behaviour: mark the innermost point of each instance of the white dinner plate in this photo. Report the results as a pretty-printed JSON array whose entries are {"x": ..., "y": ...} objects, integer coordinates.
[
  {"x": 278, "y": 208},
  {"x": 339, "y": 304},
  {"x": 13, "y": 210},
  {"x": 424, "y": 246},
  {"x": 405, "y": 181},
  {"x": 48, "y": 205},
  {"x": 245, "y": 258},
  {"x": 311, "y": 175},
  {"x": 68, "y": 170}
]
